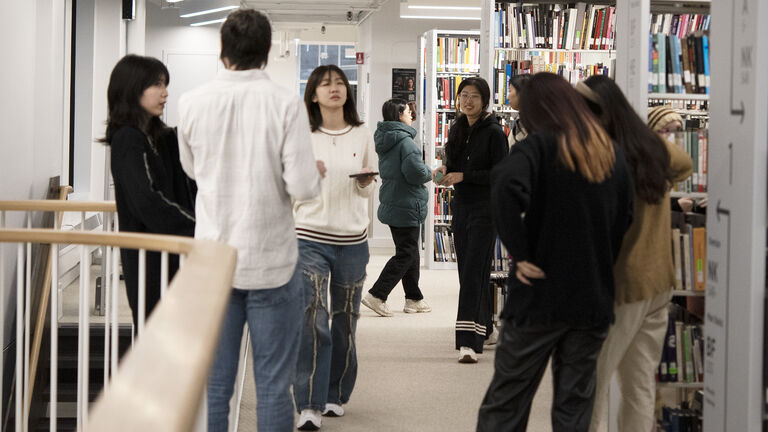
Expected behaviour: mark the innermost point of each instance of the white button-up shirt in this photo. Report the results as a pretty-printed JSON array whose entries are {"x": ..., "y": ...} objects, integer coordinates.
[{"x": 246, "y": 141}]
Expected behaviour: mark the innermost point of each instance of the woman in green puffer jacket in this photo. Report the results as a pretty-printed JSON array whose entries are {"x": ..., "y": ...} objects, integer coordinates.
[{"x": 403, "y": 207}]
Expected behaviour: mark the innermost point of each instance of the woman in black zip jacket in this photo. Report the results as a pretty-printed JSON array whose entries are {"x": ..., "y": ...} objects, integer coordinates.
[
  {"x": 572, "y": 185},
  {"x": 152, "y": 193},
  {"x": 476, "y": 142}
]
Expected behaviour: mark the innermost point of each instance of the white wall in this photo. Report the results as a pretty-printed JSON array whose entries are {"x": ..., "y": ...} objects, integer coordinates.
[
  {"x": 390, "y": 42},
  {"x": 83, "y": 114},
  {"x": 31, "y": 117}
]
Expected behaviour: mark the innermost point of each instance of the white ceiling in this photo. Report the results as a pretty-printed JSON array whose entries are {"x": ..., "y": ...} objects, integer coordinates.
[
  {"x": 294, "y": 11},
  {"x": 317, "y": 11}
]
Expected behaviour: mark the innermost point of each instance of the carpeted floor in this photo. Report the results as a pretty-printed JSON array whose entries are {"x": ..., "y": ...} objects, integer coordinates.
[{"x": 409, "y": 379}]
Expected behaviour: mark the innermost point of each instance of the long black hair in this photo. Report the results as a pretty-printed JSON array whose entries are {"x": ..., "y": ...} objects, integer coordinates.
[
  {"x": 131, "y": 76},
  {"x": 646, "y": 152},
  {"x": 313, "y": 108},
  {"x": 457, "y": 135}
]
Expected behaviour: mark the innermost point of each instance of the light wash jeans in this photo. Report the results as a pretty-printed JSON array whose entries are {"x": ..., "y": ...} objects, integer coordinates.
[
  {"x": 274, "y": 321},
  {"x": 327, "y": 365}
]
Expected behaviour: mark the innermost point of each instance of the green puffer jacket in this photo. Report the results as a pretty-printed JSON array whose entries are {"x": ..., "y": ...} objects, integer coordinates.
[{"x": 403, "y": 195}]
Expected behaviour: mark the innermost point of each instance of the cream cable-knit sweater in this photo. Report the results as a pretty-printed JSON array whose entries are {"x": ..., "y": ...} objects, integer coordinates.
[{"x": 340, "y": 214}]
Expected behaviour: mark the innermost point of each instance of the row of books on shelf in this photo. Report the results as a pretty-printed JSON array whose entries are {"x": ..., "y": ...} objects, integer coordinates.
[
  {"x": 458, "y": 54},
  {"x": 679, "y": 25},
  {"x": 443, "y": 123},
  {"x": 682, "y": 359},
  {"x": 442, "y": 210},
  {"x": 678, "y": 65},
  {"x": 578, "y": 26},
  {"x": 445, "y": 249},
  {"x": 689, "y": 250},
  {"x": 696, "y": 144},
  {"x": 681, "y": 419},
  {"x": 567, "y": 65},
  {"x": 447, "y": 90}
]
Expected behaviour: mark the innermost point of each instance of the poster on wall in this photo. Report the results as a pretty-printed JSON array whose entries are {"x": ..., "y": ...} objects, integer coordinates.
[{"x": 404, "y": 84}]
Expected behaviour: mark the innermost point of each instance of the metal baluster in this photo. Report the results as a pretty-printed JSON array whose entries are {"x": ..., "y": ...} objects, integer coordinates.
[
  {"x": 115, "y": 298},
  {"x": 54, "y": 333},
  {"x": 142, "y": 289},
  {"x": 163, "y": 273},
  {"x": 106, "y": 292},
  {"x": 82, "y": 370},
  {"x": 27, "y": 325},
  {"x": 2, "y": 286},
  {"x": 19, "y": 332}
]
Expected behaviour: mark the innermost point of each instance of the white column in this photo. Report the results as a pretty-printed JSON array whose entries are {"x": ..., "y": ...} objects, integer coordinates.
[
  {"x": 487, "y": 40},
  {"x": 108, "y": 44},
  {"x": 736, "y": 219},
  {"x": 136, "y": 30},
  {"x": 632, "y": 27}
]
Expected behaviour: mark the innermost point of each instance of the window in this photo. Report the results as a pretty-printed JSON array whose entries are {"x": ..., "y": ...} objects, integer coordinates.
[{"x": 314, "y": 55}]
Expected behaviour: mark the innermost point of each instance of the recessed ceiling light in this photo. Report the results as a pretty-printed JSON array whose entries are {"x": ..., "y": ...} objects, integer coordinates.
[
  {"x": 216, "y": 21},
  {"x": 444, "y": 7},
  {"x": 440, "y": 17},
  {"x": 208, "y": 11}
]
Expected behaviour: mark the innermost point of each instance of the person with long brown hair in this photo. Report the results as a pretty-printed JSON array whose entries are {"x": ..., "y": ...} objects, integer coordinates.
[
  {"x": 562, "y": 201},
  {"x": 476, "y": 142},
  {"x": 634, "y": 343}
]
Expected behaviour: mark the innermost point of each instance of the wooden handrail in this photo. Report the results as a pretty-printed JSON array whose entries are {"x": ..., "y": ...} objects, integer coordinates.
[
  {"x": 124, "y": 240},
  {"x": 160, "y": 382},
  {"x": 64, "y": 206}
]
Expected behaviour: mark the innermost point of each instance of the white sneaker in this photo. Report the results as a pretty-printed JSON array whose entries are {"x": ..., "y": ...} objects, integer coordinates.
[
  {"x": 333, "y": 410},
  {"x": 493, "y": 338},
  {"x": 467, "y": 355},
  {"x": 309, "y": 420},
  {"x": 416, "y": 306},
  {"x": 377, "y": 305}
]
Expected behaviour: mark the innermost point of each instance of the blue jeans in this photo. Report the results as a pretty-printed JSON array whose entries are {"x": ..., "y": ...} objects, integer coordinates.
[
  {"x": 327, "y": 365},
  {"x": 274, "y": 320}
]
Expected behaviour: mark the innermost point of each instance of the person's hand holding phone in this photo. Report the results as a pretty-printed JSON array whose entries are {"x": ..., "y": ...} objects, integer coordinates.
[
  {"x": 438, "y": 173},
  {"x": 364, "y": 181}
]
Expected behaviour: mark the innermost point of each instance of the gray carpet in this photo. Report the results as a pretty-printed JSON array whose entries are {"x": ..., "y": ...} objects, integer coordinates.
[{"x": 409, "y": 378}]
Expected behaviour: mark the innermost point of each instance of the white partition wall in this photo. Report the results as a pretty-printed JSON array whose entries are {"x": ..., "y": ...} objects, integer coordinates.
[{"x": 736, "y": 219}]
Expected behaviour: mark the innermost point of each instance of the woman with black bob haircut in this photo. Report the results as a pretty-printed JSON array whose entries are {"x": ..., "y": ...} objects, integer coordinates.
[
  {"x": 403, "y": 207},
  {"x": 562, "y": 202},
  {"x": 634, "y": 343},
  {"x": 476, "y": 142},
  {"x": 333, "y": 248},
  {"x": 152, "y": 192}
]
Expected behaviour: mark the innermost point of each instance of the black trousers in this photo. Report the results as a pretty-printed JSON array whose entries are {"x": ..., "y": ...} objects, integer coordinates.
[
  {"x": 130, "y": 260},
  {"x": 403, "y": 266},
  {"x": 521, "y": 359},
  {"x": 474, "y": 238}
]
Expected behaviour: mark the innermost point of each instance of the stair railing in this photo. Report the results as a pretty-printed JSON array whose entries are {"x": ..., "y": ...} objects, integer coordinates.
[{"x": 189, "y": 316}]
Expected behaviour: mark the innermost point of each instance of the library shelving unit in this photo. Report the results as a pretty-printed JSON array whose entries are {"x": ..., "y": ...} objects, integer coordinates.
[
  {"x": 445, "y": 59},
  {"x": 574, "y": 40},
  {"x": 679, "y": 78}
]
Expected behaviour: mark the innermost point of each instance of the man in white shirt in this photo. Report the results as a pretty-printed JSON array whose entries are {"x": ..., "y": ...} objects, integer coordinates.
[{"x": 246, "y": 141}]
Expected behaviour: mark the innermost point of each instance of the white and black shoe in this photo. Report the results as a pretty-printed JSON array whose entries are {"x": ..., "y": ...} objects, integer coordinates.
[
  {"x": 467, "y": 355},
  {"x": 309, "y": 420},
  {"x": 333, "y": 410}
]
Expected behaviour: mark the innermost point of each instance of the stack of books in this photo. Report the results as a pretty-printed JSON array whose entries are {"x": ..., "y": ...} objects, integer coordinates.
[
  {"x": 696, "y": 144},
  {"x": 689, "y": 251}
]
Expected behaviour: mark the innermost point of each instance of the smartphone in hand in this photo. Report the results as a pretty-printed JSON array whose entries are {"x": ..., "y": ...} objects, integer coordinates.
[
  {"x": 439, "y": 176},
  {"x": 364, "y": 175}
]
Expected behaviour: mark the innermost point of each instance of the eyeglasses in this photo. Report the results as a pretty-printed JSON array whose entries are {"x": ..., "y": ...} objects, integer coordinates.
[{"x": 469, "y": 96}]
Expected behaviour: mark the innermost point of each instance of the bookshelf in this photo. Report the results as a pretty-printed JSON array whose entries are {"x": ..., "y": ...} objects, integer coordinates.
[
  {"x": 445, "y": 59},
  {"x": 679, "y": 78}
]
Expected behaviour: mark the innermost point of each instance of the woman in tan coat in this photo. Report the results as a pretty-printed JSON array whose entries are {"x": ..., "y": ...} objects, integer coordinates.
[{"x": 643, "y": 273}]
